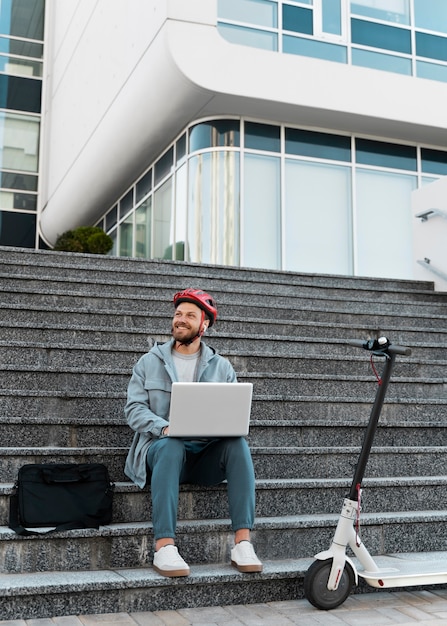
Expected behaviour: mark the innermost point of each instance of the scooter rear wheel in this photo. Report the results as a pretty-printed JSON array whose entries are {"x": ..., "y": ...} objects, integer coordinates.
[{"x": 315, "y": 585}]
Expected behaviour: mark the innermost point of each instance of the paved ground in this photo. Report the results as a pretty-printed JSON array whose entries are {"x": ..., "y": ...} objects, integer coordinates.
[{"x": 372, "y": 609}]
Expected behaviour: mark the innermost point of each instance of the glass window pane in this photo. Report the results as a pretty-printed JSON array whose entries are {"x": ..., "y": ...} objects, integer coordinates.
[
  {"x": 15, "y": 200},
  {"x": 22, "y": 67},
  {"x": 17, "y": 229},
  {"x": 22, "y": 18},
  {"x": 297, "y": 19},
  {"x": 262, "y": 212},
  {"x": 383, "y": 210},
  {"x": 431, "y": 46},
  {"x": 331, "y": 10},
  {"x": 20, "y": 94},
  {"x": 219, "y": 133},
  {"x": 144, "y": 186},
  {"x": 314, "y": 48},
  {"x": 19, "y": 148},
  {"x": 432, "y": 71},
  {"x": 262, "y": 137},
  {"x": 164, "y": 166},
  {"x": 181, "y": 204},
  {"x": 126, "y": 236},
  {"x": 380, "y": 61},
  {"x": 213, "y": 208},
  {"x": 318, "y": 145},
  {"x": 431, "y": 15},
  {"x": 434, "y": 161},
  {"x": 386, "y": 154},
  {"x": 163, "y": 221},
  {"x": 17, "y": 180},
  {"x": 381, "y": 36},
  {"x": 397, "y": 11},
  {"x": 249, "y": 37},
  {"x": 143, "y": 230},
  {"x": 111, "y": 218},
  {"x": 18, "y": 47},
  {"x": 180, "y": 149},
  {"x": 318, "y": 218},
  {"x": 260, "y": 12},
  {"x": 126, "y": 203}
]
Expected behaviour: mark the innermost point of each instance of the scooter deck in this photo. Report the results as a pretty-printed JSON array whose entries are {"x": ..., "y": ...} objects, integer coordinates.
[{"x": 407, "y": 570}]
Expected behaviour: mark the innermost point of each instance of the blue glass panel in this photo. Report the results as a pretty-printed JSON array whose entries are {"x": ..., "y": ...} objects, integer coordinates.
[
  {"x": 318, "y": 145},
  {"x": 249, "y": 37},
  {"x": 313, "y": 48},
  {"x": 262, "y": 137},
  {"x": 434, "y": 161},
  {"x": 22, "y": 18},
  {"x": 20, "y": 94},
  {"x": 381, "y": 36},
  {"x": 398, "y": 12},
  {"x": 386, "y": 154},
  {"x": 297, "y": 19},
  {"x": 331, "y": 10},
  {"x": 432, "y": 71},
  {"x": 260, "y": 12},
  {"x": 216, "y": 134},
  {"x": 431, "y": 15},
  {"x": 380, "y": 61},
  {"x": 431, "y": 46}
]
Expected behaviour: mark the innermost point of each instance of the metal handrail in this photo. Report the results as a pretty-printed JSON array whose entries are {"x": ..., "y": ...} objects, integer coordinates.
[
  {"x": 429, "y": 213},
  {"x": 434, "y": 270}
]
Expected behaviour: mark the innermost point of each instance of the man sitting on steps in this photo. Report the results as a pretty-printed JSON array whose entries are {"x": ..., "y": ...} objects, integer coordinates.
[{"x": 171, "y": 461}]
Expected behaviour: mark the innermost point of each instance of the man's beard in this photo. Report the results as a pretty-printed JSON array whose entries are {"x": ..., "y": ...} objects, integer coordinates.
[{"x": 185, "y": 335}]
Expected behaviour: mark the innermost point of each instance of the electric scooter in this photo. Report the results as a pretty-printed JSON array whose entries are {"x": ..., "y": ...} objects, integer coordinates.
[{"x": 331, "y": 577}]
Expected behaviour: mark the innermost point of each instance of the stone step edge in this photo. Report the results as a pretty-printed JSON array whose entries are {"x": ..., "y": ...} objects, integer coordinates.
[
  {"x": 109, "y": 312},
  {"x": 6, "y": 488},
  {"x": 267, "y": 375},
  {"x": 272, "y": 450},
  {"x": 190, "y": 527},
  {"x": 45, "y": 583},
  {"x": 224, "y": 274},
  {"x": 283, "y": 397}
]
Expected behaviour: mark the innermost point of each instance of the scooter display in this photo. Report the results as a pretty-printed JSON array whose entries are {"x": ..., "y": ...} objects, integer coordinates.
[{"x": 332, "y": 576}]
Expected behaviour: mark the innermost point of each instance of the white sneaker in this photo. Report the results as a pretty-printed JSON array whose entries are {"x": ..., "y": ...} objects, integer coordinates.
[
  {"x": 168, "y": 562},
  {"x": 244, "y": 558}
]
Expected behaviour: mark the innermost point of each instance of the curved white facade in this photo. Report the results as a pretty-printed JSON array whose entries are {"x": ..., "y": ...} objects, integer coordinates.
[{"x": 127, "y": 78}]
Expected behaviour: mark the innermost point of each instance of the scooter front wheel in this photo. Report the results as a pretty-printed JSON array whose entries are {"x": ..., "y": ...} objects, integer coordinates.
[{"x": 315, "y": 585}]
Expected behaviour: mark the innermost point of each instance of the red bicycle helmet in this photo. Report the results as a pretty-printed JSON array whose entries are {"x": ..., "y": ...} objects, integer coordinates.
[{"x": 202, "y": 299}]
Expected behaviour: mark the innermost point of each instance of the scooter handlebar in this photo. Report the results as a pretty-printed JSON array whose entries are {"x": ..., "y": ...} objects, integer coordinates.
[{"x": 380, "y": 345}]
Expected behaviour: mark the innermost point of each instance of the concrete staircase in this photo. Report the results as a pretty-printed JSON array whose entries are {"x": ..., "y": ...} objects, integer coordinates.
[{"x": 72, "y": 327}]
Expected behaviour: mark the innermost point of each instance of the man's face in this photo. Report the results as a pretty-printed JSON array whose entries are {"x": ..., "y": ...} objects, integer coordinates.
[{"x": 186, "y": 322}]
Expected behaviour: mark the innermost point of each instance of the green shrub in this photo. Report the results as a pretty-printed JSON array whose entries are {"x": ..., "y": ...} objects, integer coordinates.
[{"x": 90, "y": 239}]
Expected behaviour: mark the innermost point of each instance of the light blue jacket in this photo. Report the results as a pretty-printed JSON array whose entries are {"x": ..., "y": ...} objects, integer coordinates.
[{"x": 149, "y": 398}]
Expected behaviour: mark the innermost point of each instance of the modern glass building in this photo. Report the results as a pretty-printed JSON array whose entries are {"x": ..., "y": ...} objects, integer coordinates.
[
  {"x": 283, "y": 134},
  {"x": 21, "y": 73}
]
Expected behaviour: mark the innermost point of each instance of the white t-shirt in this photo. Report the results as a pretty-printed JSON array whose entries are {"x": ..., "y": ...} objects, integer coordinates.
[{"x": 186, "y": 366}]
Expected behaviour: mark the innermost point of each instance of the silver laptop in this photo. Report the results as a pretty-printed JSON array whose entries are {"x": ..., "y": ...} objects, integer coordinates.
[{"x": 210, "y": 409}]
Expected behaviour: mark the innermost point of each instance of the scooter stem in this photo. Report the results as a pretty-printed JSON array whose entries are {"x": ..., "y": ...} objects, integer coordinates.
[{"x": 372, "y": 425}]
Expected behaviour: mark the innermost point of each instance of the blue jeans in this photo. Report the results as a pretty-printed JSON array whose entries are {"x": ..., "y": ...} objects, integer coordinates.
[{"x": 173, "y": 461}]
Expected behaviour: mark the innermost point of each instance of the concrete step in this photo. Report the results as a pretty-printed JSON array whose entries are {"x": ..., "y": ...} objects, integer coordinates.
[
  {"x": 344, "y": 314},
  {"x": 284, "y": 497},
  {"x": 87, "y": 267},
  {"x": 93, "y": 432},
  {"x": 269, "y": 462},
  {"x": 36, "y": 378},
  {"x": 32, "y": 596},
  {"x": 209, "y": 541}
]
